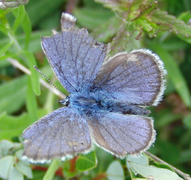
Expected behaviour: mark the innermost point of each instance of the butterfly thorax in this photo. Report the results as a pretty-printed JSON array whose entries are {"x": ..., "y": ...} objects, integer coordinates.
[{"x": 90, "y": 103}]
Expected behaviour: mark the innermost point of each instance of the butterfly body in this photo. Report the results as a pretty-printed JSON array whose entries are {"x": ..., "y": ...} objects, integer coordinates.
[{"x": 94, "y": 102}]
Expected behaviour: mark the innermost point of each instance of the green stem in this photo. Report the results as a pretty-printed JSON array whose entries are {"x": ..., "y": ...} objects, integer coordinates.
[{"x": 52, "y": 169}]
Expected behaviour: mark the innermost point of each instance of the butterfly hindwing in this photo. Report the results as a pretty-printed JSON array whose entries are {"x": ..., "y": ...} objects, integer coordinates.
[
  {"x": 59, "y": 134},
  {"x": 122, "y": 134}
]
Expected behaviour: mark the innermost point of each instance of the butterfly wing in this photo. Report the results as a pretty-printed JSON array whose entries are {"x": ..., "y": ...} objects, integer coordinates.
[
  {"x": 61, "y": 133},
  {"x": 136, "y": 77},
  {"x": 122, "y": 134},
  {"x": 74, "y": 55}
]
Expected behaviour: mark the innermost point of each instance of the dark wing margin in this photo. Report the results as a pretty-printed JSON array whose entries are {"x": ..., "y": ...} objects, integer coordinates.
[
  {"x": 74, "y": 55},
  {"x": 136, "y": 77},
  {"x": 60, "y": 134},
  {"x": 122, "y": 134}
]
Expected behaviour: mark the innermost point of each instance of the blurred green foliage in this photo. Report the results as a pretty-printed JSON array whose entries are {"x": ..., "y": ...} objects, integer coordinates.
[{"x": 163, "y": 27}]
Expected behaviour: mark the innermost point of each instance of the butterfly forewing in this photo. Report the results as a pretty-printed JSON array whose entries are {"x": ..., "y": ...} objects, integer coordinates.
[
  {"x": 59, "y": 134},
  {"x": 136, "y": 77},
  {"x": 74, "y": 56}
]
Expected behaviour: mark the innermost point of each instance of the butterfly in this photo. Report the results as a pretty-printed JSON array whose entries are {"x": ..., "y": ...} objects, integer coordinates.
[{"x": 107, "y": 101}]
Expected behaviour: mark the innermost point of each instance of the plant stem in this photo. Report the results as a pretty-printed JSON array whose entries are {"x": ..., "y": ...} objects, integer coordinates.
[{"x": 55, "y": 164}]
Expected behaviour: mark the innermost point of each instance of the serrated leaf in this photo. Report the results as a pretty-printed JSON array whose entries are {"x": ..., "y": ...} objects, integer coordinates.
[
  {"x": 4, "y": 4},
  {"x": 151, "y": 28},
  {"x": 11, "y": 126},
  {"x": 147, "y": 8},
  {"x": 177, "y": 26},
  {"x": 13, "y": 94},
  {"x": 115, "y": 171},
  {"x": 86, "y": 162}
]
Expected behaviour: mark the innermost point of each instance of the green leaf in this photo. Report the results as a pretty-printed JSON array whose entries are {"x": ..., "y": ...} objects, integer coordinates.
[
  {"x": 86, "y": 162},
  {"x": 154, "y": 172},
  {"x": 139, "y": 165},
  {"x": 27, "y": 27},
  {"x": 26, "y": 170},
  {"x": 177, "y": 26},
  {"x": 115, "y": 171},
  {"x": 5, "y": 146},
  {"x": 69, "y": 168},
  {"x": 7, "y": 170},
  {"x": 19, "y": 16},
  {"x": 185, "y": 16},
  {"x": 175, "y": 75},
  {"x": 15, "y": 174},
  {"x": 34, "y": 74},
  {"x": 142, "y": 159},
  {"x": 5, "y": 48},
  {"x": 11, "y": 126},
  {"x": 31, "y": 102},
  {"x": 5, "y": 164},
  {"x": 13, "y": 94},
  {"x": 19, "y": 154}
]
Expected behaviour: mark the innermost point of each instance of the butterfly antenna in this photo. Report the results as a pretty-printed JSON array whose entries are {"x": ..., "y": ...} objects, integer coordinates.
[{"x": 48, "y": 79}]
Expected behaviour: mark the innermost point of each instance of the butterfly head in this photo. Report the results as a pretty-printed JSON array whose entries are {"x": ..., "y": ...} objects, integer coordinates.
[{"x": 66, "y": 101}]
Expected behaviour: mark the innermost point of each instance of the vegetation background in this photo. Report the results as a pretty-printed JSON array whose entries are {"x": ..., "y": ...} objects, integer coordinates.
[{"x": 127, "y": 25}]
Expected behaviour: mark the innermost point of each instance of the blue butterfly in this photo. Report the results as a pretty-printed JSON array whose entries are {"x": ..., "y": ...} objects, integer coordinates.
[{"x": 107, "y": 100}]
